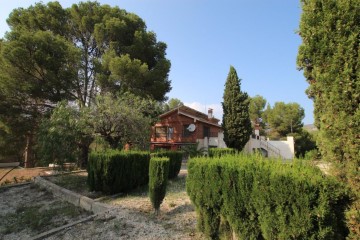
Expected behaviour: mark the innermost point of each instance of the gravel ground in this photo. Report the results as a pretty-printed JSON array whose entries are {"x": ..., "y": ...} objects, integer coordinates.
[
  {"x": 131, "y": 216},
  {"x": 26, "y": 211}
]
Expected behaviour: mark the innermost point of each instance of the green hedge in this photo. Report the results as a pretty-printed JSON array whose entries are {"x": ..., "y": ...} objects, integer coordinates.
[
  {"x": 116, "y": 171},
  {"x": 158, "y": 176},
  {"x": 175, "y": 158},
  {"x": 218, "y": 152},
  {"x": 266, "y": 199}
]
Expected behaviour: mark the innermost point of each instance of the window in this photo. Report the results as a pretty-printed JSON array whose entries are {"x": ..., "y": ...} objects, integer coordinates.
[
  {"x": 170, "y": 132},
  {"x": 206, "y": 132},
  {"x": 160, "y": 132},
  {"x": 186, "y": 132}
]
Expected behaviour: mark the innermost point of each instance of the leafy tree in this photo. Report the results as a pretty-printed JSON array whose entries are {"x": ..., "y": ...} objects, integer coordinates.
[
  {"x": 34, "y": 70},
  {"x": 60, "y": 137},
  {"x": 236, "y": 122},
  {"x": 284, "y": 118},
  {"x": 304, "y": 142},
  {"x": 39, "y": 64},
  {"x": 52, "y": 54},
  {"x": 172, "y": 103},
  {"x": 114, "y": 50},
  {"x": 329, "y": 58},
  {"x": 16, "y": 124},
  {"x": 13, "y": 129},
  {"x": 9, "y": 119},
  {"x": 126, "y": 119},
  {"x": 256, "y": 109}
]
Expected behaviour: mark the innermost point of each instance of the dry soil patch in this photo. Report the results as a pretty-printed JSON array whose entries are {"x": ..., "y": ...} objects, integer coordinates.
[
  {"x": 130, "y": 218},
  {"x": 132, "y": 215},
  {"x": 19, "y": 174},
  {"x": 26, "y": 211}
]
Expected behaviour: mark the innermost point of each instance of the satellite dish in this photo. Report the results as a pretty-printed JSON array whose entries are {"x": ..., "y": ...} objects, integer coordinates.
[{"x": 191, "y": 127}]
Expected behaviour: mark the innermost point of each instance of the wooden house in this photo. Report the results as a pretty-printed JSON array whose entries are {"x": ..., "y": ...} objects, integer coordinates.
[{"x": 186, "y": 126}]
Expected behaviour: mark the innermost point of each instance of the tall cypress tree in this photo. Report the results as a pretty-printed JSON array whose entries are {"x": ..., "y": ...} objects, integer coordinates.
[
  {"x": 329, "y": 56},
  {"x": 236, "y": 121}
]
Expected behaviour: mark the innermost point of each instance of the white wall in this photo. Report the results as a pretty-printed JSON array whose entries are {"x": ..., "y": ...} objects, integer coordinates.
[
  {"x": 286, "y": 147},
  {"x": 200, "y": 143},
  {"x": 251, "y": 144},
  {"x": 221, "y": 143},
  {"x": 212, "y": 141}
]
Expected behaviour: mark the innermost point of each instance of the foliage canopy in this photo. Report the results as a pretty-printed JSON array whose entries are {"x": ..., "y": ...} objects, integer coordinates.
[
  {"x": 74, "y": 54},
  {"x": 329, "y": 57},
  {"x": 84, "y": 49},
  {"x": 284, "y": 118}
]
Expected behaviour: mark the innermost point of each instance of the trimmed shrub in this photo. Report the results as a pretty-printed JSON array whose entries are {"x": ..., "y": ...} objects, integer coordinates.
[
  {"x": 266, "y": 199},
  {"x": 218, "y": 152},
  {"x": 158, "y": 176},
  {"x": 175, "y": 158},
  {"x": 207, "y": 202},
  {"x": 116, "y": 171}
]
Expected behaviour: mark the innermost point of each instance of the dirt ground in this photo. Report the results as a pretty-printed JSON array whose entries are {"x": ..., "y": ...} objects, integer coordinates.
[
  {"x": 19, "y": 174},
  {"x": 26, "y": 211},
  {"x": 131, "y": 216}
]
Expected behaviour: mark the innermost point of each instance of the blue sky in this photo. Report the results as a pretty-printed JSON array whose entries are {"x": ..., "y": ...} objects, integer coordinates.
[{"x": 257, "y": 37}]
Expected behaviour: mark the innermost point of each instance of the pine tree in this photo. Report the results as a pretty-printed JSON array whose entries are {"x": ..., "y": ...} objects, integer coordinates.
[{"x": 236, "y": 121}]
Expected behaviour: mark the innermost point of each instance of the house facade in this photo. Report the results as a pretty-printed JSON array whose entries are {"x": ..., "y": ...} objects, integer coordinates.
[{"x": 184, "y": 126}]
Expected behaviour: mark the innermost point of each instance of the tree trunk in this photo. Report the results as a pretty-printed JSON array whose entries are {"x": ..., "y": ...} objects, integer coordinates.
[
  {"x": 84, "y": 156},
  {"x": 28, "y": 153},
  {"x": 84, "y": 151}
]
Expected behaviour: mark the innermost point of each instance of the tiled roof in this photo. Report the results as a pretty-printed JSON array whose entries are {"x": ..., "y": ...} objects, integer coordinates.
[{"x": 190, "y": 112}]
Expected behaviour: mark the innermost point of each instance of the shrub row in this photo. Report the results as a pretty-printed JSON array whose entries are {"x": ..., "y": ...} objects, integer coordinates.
[
  {"x": 115, "y": 171},
  {"x": 158, "y": 176},
  {"x": 218, "y": 152},
  {"x": 175, "y": 158},
  {"x": 266, "y": 199}
]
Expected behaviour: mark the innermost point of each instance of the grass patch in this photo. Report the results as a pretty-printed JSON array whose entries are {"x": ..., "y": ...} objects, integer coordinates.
[
  {"x": 73, "y": 182},
  {"x": 76, "y": 182}
]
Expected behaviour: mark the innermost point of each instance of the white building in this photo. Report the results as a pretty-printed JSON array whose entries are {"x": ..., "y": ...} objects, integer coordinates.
[
  {"x": 282, "y": 149},
  {"x": 279, "y": 149}
]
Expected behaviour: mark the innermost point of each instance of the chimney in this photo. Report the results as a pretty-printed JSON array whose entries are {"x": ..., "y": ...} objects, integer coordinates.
[{"x": 210, "y": 113}]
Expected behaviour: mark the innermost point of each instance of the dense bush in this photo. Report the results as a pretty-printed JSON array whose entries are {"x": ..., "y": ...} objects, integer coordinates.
[
  {"x": 175, "y": 158},
  {"x": 193, "y": 150},
  {"x": 158, "y": 176},
  {"x": 266, "y": 199},
  {"x": 218, "y": 152},
  {"x": 312, "y": 155},
  {"x": 115, "y": 171}
]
